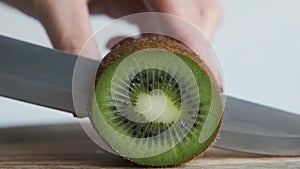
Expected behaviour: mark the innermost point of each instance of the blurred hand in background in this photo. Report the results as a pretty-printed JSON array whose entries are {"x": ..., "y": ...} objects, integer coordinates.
[{"x": 68, "y": 26}]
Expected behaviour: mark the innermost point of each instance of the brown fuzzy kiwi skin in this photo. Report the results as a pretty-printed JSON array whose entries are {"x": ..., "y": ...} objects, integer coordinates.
[
  {"x": 157, "y": 41},
  {"x": 149, "y": 41}
]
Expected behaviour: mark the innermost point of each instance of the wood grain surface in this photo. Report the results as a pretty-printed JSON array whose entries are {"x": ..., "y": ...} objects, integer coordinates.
[{"x": 67, "y": 146}]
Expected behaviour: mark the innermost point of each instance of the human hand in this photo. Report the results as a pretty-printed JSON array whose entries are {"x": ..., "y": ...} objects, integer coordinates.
[
  {"x": 205, "y": 15},
  {"x": 68, "y": 26}
]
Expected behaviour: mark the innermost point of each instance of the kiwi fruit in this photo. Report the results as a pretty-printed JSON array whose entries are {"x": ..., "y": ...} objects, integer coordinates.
[{"x": 156, "y": 102}]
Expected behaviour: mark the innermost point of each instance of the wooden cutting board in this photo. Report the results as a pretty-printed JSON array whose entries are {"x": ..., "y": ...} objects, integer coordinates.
[{"x": 67, "y": 146}]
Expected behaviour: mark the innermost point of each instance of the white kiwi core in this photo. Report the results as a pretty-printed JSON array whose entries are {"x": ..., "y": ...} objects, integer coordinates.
[{"x": 157, "y": 107}]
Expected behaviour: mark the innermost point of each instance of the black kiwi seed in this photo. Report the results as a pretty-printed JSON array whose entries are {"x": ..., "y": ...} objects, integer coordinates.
[
  {"x": 195, "y": 124},
  {"x": 132, "y": 79},
  {"x": 113, "y": 108},
  {"x": 183, "y": 124},
  {"x": 161, "y": 78},
  {"x": 142, "y": 130},
  {"x": 137, "y": 79},
  {"x": 150, "y": 88},
  {"x": 134, "y": 127}
]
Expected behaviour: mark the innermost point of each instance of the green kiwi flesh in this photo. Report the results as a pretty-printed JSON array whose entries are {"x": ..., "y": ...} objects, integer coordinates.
[{"x": 175, "y": 135}]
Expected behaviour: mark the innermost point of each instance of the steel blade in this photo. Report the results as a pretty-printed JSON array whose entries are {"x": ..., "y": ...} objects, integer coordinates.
[
  {"x": 38, "y": 75},
  {"x": 254, "y": 128}
]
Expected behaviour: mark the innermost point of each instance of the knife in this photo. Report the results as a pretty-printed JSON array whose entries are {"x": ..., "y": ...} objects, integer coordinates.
[{"x": 46, "y": 77}]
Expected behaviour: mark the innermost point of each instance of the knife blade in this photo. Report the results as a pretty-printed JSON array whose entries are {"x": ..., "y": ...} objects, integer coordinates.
[
  {"x": 255, "y": 128},
  {"x": 45, "y": 77}
]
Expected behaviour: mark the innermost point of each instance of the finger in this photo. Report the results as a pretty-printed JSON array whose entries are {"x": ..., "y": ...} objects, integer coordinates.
[
  {"x": 189, "y": 34},
  {"x": 68, "y": 26},
  {"x": 211, "y": 13},
  {"x": 24, "y": 7},
  {"x": 204, "y": 14}
]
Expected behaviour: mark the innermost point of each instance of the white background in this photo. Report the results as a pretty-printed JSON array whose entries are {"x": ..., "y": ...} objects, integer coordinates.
[{"x": 258, "y": 44}]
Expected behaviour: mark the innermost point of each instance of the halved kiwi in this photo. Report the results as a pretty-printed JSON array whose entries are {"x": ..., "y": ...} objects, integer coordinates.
[{"x": 157, "y": 104}]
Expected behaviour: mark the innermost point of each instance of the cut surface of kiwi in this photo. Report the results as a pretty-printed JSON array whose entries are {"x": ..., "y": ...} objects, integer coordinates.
[{"x": 156, "y": 103}]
